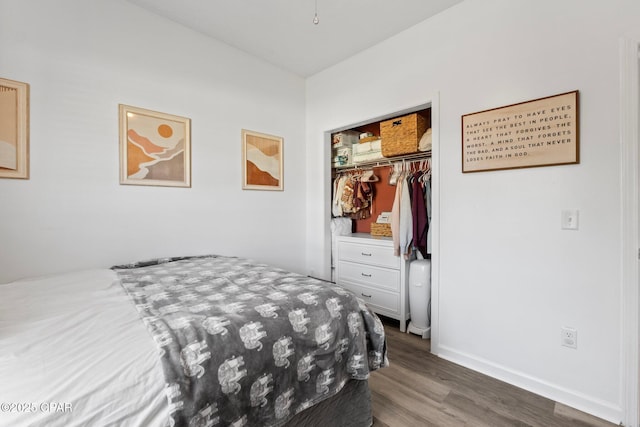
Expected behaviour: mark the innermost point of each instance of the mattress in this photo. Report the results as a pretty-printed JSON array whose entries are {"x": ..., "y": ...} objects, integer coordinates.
[{"x": 75, "y": 352}]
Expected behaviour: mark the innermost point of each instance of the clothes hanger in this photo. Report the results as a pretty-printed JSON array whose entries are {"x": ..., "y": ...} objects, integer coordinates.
[
  {"x": 369, "y": 176},
  {"x": 394, "y": 174}
]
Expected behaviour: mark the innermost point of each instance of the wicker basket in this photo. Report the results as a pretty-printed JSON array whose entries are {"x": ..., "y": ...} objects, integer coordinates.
[
  {"x": 402, "y": 134},
  {"x": 380, "y": 229}
]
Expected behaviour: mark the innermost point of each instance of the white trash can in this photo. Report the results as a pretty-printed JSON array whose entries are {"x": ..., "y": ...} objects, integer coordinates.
[{"x": 420, "y": 297}]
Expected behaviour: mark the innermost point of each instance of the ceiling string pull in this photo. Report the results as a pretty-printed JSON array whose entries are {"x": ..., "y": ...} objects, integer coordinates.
[{"x": 316, "y": 21}]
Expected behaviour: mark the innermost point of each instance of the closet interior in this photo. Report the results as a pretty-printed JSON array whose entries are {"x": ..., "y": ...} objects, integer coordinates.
[{"x": 381, "y": 208}]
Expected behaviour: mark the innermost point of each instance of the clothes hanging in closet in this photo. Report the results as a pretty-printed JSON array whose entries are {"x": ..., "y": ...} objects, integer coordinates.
[
  {"x": 419, "y": 215},
  {"x": 427, "y": 202},
  {"x": 401, "y": 218},
  {"x": 410, "y": 213},
  {"x": 352, "y": 196}
]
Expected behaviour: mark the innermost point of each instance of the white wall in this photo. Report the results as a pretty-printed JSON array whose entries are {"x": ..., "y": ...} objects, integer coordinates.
[
  {"x": 81, "y": 60},
  {"x": 509, "y": 277}
]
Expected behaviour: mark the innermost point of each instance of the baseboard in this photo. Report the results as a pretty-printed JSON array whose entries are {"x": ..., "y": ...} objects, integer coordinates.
[{"x": 596, "y": 407}]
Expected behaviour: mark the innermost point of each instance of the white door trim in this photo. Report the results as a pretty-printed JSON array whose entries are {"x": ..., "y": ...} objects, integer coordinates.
[
  {"x": 435, "y": 224},
  {"x": 629, "y": 165}
]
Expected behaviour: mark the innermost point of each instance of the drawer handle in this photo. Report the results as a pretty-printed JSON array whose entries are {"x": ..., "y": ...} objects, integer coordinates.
[
  {"x": 365, "y": 254},
  {"x": 365, "y": 275},
  {"x": 365, "y": 295}
]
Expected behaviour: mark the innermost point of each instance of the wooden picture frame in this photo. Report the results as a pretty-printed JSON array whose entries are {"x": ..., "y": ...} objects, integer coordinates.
[
  {"x": 262, "y": 161},
  {"x": 155, "y": 148},
  {"x": 14, "y": 129},
  {"x": 541, "y": 132}
]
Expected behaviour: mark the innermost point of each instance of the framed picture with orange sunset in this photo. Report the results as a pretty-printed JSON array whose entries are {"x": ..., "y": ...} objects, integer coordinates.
[
  {"x": 155, "y": 148},
  {"x": 262, "y": 161}
]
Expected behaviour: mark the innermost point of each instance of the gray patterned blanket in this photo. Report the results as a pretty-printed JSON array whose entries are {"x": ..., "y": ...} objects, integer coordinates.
[{"x": 245, "y": 344}]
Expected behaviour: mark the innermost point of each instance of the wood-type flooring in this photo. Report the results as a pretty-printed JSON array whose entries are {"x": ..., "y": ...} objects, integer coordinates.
[{"x": 420, "y": 389}]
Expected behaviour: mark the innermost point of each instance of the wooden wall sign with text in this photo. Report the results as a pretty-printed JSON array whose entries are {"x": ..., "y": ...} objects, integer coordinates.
[{"x": 542, "y": 132}]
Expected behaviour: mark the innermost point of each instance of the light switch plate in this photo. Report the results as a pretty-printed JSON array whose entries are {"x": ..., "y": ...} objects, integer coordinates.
[{"x": 569, "y": 219}]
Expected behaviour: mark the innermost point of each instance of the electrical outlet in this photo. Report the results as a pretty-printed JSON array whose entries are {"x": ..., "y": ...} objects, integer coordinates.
[{"x": 569, "y": 337}]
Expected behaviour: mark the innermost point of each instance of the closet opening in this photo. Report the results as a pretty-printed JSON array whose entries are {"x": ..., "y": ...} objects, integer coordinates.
[
  {"x": 357, "y": 150},
  {"x": 381, "y": 211}
]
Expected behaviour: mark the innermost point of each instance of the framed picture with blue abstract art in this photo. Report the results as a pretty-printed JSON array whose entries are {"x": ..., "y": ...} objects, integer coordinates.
[
  {"x": 155, "y": 148},
  {"x": 262, "y": 161}
]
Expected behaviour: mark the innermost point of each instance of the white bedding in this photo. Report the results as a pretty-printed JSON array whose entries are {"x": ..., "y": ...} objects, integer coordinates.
[{"x": 46, "y": 381}]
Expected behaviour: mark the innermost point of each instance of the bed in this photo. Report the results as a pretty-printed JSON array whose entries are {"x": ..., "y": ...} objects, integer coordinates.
[{"x": 193, "y": 341}]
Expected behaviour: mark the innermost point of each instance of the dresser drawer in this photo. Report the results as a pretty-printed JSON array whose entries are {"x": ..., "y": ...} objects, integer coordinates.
[
  {"x": 369, "y": 275},
  {"x": 378, "y": 300},
  {"x": 381, "y": 256}
]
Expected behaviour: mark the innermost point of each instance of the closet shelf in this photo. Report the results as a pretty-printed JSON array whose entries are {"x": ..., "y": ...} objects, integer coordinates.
[{"x": 384, "y": 161}]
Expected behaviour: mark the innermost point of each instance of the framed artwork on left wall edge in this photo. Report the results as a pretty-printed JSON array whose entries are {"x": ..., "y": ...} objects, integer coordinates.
[
  {"x": 14, "y": 129},
  {"x": 155, "y": 148},
  {"x": 262, "y": 161}
]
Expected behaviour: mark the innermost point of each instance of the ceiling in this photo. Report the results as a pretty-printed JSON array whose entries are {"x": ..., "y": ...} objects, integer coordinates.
[{"x": 282, "y": 31}]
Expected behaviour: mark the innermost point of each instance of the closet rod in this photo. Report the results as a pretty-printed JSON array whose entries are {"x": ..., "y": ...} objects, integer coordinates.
[{"x": 383, "y": 162}]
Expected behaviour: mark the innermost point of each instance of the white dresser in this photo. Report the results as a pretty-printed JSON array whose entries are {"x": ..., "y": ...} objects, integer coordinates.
[{"x": 366, "y": 266}]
